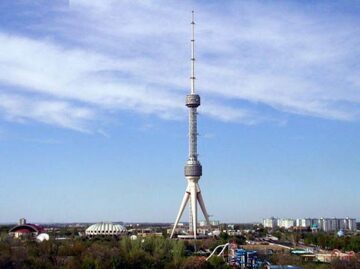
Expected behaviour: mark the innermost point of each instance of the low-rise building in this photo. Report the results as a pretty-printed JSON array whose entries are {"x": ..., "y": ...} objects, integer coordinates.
[
  {"x": 105, "y": 229},
  {"x": 24, "y": 229},
  {"x": 212, "y": 223}
]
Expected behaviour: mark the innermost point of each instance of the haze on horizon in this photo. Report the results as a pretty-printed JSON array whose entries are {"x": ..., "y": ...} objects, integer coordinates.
[{"x": 93, "y": 123}]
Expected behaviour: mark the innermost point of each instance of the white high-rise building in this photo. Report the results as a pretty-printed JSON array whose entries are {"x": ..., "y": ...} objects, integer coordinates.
[
  {"x": 286, "y": 223},
  {"x": 270, "y": 223},
  {"x": 212, "y": 223},
  {"x": 328, "y": 224},
  {"x": 303, "y": 222},
  {"x": 350, "y": 224},
  {"x": 321, "y": 224}
]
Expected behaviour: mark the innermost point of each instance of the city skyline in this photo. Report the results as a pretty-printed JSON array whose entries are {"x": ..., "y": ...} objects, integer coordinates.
[{"x": 93, "y": 126}]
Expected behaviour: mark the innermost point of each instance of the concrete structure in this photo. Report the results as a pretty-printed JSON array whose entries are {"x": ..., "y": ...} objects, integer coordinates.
[
  {"x": 105, "y": 229},
  {"x": 270, "y": 223},
  {"x": 212, "y": 223},
  {"x": 285, "y": 223},
  {"x": 335, "y": 224},
  {"x": 349, "y": 224},
  {"x": 24, "y": 229},
  {"x": 321, "y": 224},
  {"x": 335, "y": 255},
  {"x": 193, "y": 168},
  {"x": 330, "y": 224},
  {"x": 303, "y": 223},
  {"x": 278, "y": 222}
]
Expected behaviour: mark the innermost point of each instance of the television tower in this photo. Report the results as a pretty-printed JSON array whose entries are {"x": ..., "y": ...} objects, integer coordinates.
[{"x": 193, "y": 168}]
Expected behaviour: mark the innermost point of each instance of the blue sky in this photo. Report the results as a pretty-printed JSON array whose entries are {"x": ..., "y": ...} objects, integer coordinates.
[{"x": 93, "y": 124}]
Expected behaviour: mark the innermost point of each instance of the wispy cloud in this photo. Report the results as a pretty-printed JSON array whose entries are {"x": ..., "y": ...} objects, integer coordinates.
[
  {"x": 61, "y": 114},
  {"x": 112, "y": 55}
]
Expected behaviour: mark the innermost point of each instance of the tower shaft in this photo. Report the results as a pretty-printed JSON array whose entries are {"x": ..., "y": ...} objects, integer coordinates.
[{"x": 193, "y": 133}]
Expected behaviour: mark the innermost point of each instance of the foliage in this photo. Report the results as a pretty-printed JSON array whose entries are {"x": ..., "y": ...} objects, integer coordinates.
[
  {"x": 218, "y": 262},
  {"x": 196, "y": 263},
  {"x": 351, "y": 264},
  {"x": 147, "y": 253},
  {"x": 331, "y": 241},
  {"x": 101, "y": 253},
  {"x": 224, "y": 237},
  {"x": 288, "y": 259}
]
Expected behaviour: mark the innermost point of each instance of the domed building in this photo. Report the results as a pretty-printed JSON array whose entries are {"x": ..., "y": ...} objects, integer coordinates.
[
  {"x": 24, "y": 229},
  {"x": 105, "y": 229},
  {"x": 340, "y": 233}
]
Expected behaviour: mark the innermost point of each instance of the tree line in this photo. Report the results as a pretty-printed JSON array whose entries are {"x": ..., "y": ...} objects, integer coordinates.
[{"x": 147, "y": 253}]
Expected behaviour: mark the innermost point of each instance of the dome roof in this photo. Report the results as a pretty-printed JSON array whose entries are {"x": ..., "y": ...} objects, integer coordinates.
[
  {"x": 43, "y": 237},
  {"x": 26, "y": 228},
  {"x": 340, "y": 233},
  {"x": 105, "y": 228}
]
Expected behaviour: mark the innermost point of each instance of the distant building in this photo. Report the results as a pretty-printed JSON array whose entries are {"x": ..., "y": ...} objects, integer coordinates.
[
  {"x": 286, "y": 223},
  {"x": 316, "y": 224},
  {"x": 303, "y": 223},
  {"x": 278, "y": 222},
  {"x": 148, "y": 232},
  {"x": 212, "y": 223},
  {"x": 350, "y": 224},
  {"x": 105, "y": 229},
  {"x": 24, "y": 229},
  {"x": 270, "y": 223},
  {"x": 334, "y": 224},
  {"x": 335, "y": 255},
  {"x": 328, "y": 224}
]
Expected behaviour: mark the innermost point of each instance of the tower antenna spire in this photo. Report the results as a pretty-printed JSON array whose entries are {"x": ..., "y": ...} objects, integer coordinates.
[{"x": 192, "y": 78}]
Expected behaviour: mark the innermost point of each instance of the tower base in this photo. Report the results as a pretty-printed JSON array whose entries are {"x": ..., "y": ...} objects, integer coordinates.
[{"x": 193, "y": 194}]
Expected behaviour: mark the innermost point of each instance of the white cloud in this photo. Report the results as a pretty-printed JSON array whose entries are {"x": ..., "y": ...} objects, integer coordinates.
[
  {"x": 133, "y": 55},
  {"x": 78, "y": 75},
  {"x": 61, "y": 114},
  {"x": 285, "y": 56},
  {"x": 230, "y": 114}
]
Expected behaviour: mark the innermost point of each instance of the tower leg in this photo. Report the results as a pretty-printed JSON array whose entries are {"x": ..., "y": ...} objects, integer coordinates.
[
  {"x": 194, "y": 208},
  {"x": 190, "y": 216},
  {"x": 181, "y": 210},
  {"x": 203, "y": 208}
]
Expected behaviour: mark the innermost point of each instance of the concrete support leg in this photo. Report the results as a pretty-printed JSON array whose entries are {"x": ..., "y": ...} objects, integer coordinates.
[
  {"x": 194, "y": 208},
  {"x": 203, "y": 208},
  {"x": 181, "y": 210}
]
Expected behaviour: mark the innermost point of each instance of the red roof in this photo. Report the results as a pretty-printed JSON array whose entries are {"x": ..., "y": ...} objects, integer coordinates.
[
  {"x": 27, "y": 228},
  {"x": 24, "y": 231}
]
